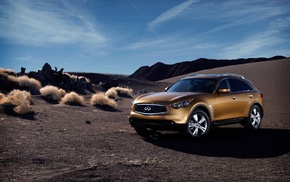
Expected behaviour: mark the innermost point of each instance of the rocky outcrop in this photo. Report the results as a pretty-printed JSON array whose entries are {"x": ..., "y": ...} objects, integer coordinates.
[{"x": 48, "y": 76}]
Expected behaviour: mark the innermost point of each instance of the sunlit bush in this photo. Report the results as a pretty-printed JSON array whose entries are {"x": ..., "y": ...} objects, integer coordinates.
[
  {"x": 73, "y": 98},
  {"x": 102, "y": 99},
  {"x": 120, "y": 90},
  {"x": 52, "y": 93},
  {"x": 25, "y": 81},
  {"x": 3, "y": 99},
  {"x": 75, "y": 77},
  {"x": 7, "y": 71},
  {"x": 21, "y": 101},
  {"x": 112, "y": 93}
]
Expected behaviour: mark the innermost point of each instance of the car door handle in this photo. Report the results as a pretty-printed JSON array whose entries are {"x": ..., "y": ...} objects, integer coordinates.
[
  {"x": 251, "y": 96},
  {"x": 234, "y": 97}
]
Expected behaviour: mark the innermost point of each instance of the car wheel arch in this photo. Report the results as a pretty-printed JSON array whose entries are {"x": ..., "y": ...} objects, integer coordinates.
[
  {"x": 204, "y": 108},
  {"x": 253, "y": 121},
  {"x": 260, "y": 107}
]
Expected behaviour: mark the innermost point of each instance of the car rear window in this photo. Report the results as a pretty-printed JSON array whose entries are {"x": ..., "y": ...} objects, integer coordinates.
[{"x": 239, "y": 86}]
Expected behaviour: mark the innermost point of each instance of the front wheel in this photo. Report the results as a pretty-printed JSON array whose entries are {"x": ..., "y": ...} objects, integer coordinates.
[
  {"x": 198, "y": 124},
  {"x": 254, "y": 119}
]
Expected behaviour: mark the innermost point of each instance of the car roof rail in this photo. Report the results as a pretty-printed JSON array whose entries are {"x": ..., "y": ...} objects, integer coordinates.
[
  {"x": 195, "y": 75},
  {"x": 232, "y": 74},
  {"x": 219, "y": 75},
  {"x": 200, "y": 74}
]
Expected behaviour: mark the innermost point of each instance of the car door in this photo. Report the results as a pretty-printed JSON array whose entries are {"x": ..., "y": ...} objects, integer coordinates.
[
  {"x": 243, "y": 94},
  {"x": 224, "y": 106}
]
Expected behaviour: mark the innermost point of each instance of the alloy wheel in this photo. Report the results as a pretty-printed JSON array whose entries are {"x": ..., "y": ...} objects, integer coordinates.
[
  {"x": 198, "y": 124},
  {"x": 255, "y": 117}
]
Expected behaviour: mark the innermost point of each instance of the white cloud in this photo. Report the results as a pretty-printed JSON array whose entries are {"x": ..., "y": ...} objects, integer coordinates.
[
  {"x": 271, "y": 41},
  {"x": 247, "y": 48},
  {"x": 145, "y": 44},
  {"x": 41, "y": 23},
  {"x": 173, "y": 12},
  {"x": 26, "y": 58},
  {"x": 231, "y": 14}
]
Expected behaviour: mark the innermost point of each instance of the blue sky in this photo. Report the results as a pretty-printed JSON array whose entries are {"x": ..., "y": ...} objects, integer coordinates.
[{"x": 119, "y": 36}]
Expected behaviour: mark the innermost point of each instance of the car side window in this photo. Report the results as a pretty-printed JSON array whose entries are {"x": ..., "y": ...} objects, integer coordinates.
[
  {"x": 239, "y": 86},
  {"x": 224, "y": 85}
]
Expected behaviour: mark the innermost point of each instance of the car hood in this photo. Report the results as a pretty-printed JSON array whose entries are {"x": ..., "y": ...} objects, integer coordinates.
[{"x": 163, "y": 97}]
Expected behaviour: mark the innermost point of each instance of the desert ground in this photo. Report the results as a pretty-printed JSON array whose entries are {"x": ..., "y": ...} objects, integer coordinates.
[{"x": 87, "y": 143}]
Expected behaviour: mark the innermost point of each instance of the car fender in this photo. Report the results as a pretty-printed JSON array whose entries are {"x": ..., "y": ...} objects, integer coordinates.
[
  {"x": 259, "y": 104},
  {"x": 208, "y": 109}
]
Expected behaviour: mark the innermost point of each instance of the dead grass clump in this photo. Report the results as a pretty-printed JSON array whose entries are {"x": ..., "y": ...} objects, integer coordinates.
[
  {"x": 9, "y": 82},
  {"x": 25, "y": 81},
  {"x": 12, "y": 79},
  {"x": 122, "y": 91},
  {"x": 102, "y": 99},
  {"x": 21, "y": 101},
  {"x": 15, "y": 97},
  {"x": 7, "y": 71},
  {"x": 3, "y": 99},
  {"x": 76, "y": 77},
  {"x": 52, "y": 93},
  {"x": 112, "y": 93},
  {"x": 87, "y": 80},
  {"x": 73, "y": 98}
]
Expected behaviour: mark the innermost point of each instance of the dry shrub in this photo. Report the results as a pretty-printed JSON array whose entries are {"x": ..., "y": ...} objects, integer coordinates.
[
  {"x": 52, "y": 93},
  {"x": 7, "y": 71},
  {"x": 25, "y": 81},
  {"x": 15, "y": 97},
  {"x": 102, "y": 99},
  {"x": 73, "y": 98},
  {"x": 20, "y": 99},
  {"x": 3, "y": 99},
  {"x": 87, "y": 80},
  {"x": 75, "y": 77},
  {"x": 71, "y": 76},
  {"x": 112, "y": 93},
  {"x": 13, "y": 79},
  {"x": 122, "y": 91}
]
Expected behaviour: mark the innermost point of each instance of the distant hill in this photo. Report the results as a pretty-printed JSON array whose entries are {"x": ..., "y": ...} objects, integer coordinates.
[{"x": 160, "y": 71}]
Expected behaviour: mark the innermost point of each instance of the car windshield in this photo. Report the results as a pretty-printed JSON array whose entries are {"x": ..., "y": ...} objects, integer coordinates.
[{"x": 193, "y": 85}]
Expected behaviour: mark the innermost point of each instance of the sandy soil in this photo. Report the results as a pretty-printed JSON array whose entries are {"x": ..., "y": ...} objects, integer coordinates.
[{"x": 74, "y": 143}]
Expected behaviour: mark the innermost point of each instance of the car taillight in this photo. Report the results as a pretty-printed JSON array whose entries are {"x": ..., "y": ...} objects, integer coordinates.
[{"x": 261, "y": 95}]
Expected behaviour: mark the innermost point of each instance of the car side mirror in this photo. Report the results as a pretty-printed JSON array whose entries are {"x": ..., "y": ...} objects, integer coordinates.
[
  {"x": 166, "y": 88},
  {"x": 223, "y": 90}
]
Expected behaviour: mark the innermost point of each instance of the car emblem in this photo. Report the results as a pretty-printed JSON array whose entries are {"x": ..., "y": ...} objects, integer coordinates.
[{"x": 147, "y": 108}]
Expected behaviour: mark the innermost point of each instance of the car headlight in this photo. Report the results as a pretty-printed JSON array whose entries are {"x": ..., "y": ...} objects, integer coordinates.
[{"x": 178, "y": 105}]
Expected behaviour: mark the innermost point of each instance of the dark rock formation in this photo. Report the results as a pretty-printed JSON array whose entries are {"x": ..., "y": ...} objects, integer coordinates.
[
  {"x": 109, "y": 83},
  {"x": 48, "y": 76}
]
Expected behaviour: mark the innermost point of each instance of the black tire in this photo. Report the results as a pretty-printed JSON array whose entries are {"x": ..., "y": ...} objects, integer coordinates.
[
  {"x": 198, "y": 124},
  {"x": 254, "y": 119}
]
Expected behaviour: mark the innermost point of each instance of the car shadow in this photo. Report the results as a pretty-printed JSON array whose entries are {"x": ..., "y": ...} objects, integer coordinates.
[{"x": 228, "y": 142}]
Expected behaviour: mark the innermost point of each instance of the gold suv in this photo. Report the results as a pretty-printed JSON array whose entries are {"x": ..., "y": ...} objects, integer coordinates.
[{"x": 198, "y": 102}]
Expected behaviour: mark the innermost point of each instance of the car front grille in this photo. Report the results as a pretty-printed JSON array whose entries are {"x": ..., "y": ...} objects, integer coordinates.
[{"x": 150, "y": 109}]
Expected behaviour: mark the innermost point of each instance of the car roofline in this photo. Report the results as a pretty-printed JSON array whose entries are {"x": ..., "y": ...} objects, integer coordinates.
[{"x": 217, "y": 75}]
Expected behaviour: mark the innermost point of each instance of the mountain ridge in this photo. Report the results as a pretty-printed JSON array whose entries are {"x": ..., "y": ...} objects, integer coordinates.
[{"x": 160, "y": 71}]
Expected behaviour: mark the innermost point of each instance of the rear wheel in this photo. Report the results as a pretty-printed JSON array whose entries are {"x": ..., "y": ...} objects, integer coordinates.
[
  {"x": 198, "y": 124},
  {"x": 254, "y": 119}
]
